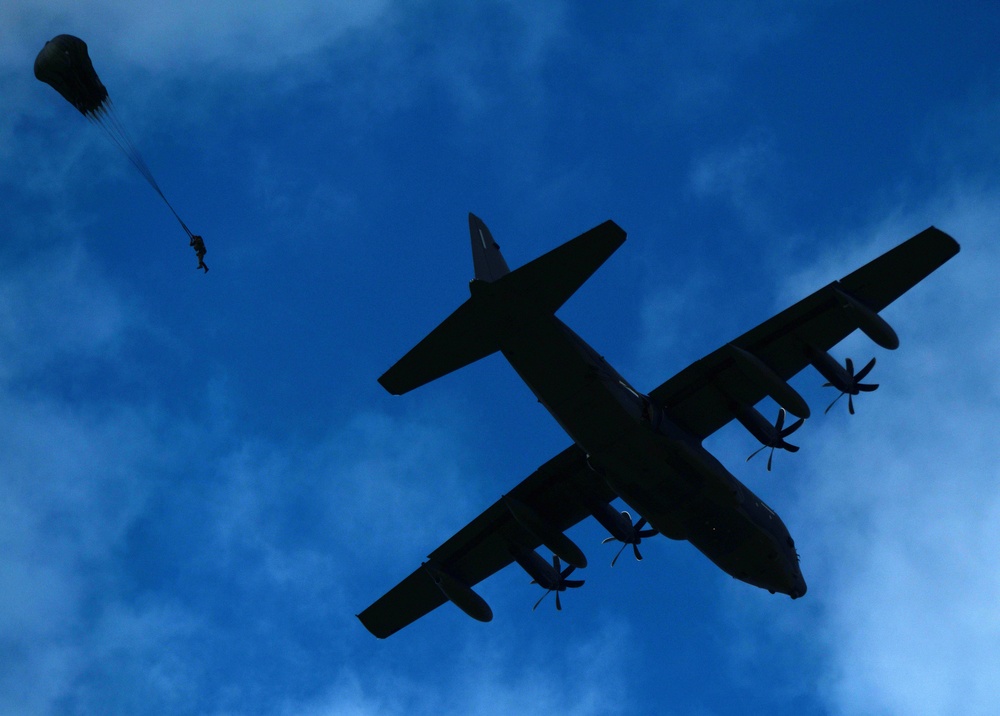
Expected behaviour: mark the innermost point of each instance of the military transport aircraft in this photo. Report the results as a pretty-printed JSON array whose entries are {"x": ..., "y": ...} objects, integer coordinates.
[{"x": 644, "y": 448}]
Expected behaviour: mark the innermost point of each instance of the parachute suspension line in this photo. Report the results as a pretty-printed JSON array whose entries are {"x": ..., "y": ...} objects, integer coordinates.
[{"x": 107, "y": 118}]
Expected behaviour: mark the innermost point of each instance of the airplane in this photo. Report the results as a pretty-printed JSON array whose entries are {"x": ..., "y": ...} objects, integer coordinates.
[{"x": 645, "y": 448}]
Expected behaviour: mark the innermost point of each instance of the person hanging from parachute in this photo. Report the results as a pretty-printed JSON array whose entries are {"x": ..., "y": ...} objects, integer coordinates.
[
  {"x": 65, "y": 65},
  {"x": 199, "y": 248}
]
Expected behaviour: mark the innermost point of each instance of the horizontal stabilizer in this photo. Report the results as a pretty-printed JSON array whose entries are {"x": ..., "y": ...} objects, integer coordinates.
[
  {"x": 461, "y": 339},
  {"x": 546, "y": 283}
]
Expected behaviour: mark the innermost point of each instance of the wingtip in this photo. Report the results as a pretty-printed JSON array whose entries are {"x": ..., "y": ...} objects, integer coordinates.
[
  {"x": 950, "y": 240},
  {"x": 387, "y": 384},
  {"x": 369, "y": 628}
]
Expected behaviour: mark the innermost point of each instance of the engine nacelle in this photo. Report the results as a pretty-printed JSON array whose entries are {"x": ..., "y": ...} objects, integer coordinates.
[
  {"x": 870, "y": 323},
  {"x": 828, "y": 367},
  {"x": 778, "y": 388},
  {"x": 553, "y": 538},
  {"x": 755, "y": 423},
  {"x": 535, "y": 565},
  {"x": 617, "y": 525},
  {"x": 459, "y": 593}
]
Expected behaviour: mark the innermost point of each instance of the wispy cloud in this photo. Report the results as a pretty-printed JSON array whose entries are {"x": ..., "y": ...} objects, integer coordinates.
[
  {"x": 900, "y": 503},
  {"x": 253, "y": 35},
  {"x": 738, "y": 176},
  {"x": 586, "y": 675},
  {"x": 52, "y": 306},
  {"x": 137, "y": 548}
]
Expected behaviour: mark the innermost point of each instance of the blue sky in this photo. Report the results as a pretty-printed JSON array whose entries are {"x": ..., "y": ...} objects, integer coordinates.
[{"x": 202, "y": 481}]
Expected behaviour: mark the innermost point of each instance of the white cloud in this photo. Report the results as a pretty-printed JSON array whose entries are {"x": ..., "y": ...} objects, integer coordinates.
[
  {"x": 736, "y": 175},
  {"x": 898, "y": 519},
  {"x": 582, "y": 676},
  {"x": 52, "y": 306},
  {"x": 373, "y": 487},
  {"x": 73, "y": 484},
  {"x": 252, "y": 34},
  {"x": 76, "y": 475}
]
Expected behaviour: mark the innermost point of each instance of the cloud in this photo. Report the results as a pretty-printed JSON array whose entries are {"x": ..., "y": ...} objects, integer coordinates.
[
  {"x": 899, "y": 508},
  {"x": 253, "y": 35},
  {"x": 580, "y": 676},
  {"x": 736, "y": 174},
  {"x": 138, "y": 551},
  {"x": 73, "y": 484},
  {"x": 52, "y": 306}
]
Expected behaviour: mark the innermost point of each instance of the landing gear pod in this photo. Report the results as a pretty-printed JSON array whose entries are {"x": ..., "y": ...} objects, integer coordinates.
[
  {"x": 459, "y": 593},
  {"x": 870, "y": 323},
  {"x": 554, "y": 539},
  {"x": 758, "y": 371}
]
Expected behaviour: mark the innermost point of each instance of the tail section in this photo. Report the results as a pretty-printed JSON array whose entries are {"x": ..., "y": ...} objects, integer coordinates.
[
  {"x": 473, "y": 330},
  {"x": 486, "y": 256}
]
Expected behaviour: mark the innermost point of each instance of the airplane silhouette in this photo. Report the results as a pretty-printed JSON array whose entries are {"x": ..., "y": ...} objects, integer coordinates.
[{"x": 643, "y": 448}]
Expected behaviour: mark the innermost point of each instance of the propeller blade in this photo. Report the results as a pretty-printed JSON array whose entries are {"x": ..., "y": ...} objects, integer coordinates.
[
  {"x": 543, "y": 597},
  {"x": 566, "y": 572},
  {"x": 865, "y": 371},
  {"x": 866, "y": 387},
  {"x": 558, "y": 603},
  {"x": 638, "y": 555},
  {"x": 608, "y": 539},
  {"x": 850, "y": 404},
  {"x": 792, "y": 428},
  {"x": 648, "y": 533},
  {"x": 758, "y": 450},
  {"x": 850, "y": 367},
  {"x": 640, "y": 524},
  {"x": 624, "y": 544},
  {"x": 791, "y": 448},
  {"x": 574, "y": 583},
  {"x": 780, "y": 421},
  {"x": 770, "y": 458},
  {"x": 833, "y": 403}
]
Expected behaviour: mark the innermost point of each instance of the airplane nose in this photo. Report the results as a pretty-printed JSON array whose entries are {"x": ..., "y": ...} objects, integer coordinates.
[{"x": 800, "y": 588}]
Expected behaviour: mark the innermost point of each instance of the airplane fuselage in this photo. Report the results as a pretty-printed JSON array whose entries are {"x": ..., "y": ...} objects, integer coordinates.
[{"x": 660, "y": 471}]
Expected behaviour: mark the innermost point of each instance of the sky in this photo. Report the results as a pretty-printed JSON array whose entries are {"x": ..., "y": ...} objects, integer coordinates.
[{"x": 201, "y": 481}]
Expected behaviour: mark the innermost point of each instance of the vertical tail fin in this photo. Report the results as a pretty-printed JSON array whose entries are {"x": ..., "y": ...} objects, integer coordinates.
[{"x": 486, "y": 257}]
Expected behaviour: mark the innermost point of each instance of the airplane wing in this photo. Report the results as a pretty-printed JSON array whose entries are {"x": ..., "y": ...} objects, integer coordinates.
[
  {"x": 700, "y": 397},
  {"x": 558, "y": 492}
]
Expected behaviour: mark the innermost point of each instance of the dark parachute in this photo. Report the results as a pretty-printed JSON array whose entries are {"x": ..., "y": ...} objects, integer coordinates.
[{"x": 65, "y": 65}]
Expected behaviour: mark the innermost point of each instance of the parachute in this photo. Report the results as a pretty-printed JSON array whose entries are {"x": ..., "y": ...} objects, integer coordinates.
[{"x": 65, "y": 65}]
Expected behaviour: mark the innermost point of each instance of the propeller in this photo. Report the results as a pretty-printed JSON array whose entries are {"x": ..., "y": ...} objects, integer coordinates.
[
  {"x": 852, "y": 386},
  {"x": 561, "y": 584},
  {"x": 634, "y": 535},
  {"x": 776, "y": 438}
]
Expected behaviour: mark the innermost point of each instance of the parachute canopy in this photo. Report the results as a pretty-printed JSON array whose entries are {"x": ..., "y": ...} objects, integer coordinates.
[{"x": 65, "y": 65}]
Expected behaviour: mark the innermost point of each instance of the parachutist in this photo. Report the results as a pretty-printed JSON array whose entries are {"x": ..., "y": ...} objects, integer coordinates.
[{"x": 199, "y": 248}]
